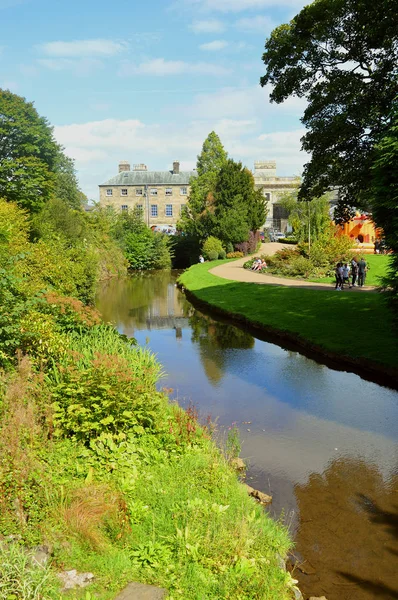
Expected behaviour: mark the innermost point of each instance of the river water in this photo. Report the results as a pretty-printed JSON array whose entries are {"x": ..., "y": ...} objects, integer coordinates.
[{"x": 322, "y": 442}]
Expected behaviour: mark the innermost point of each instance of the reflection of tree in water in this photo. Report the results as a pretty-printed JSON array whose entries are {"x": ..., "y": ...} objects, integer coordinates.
[
  {"x": 129, "y": 302},
  {"x": 213, "y": 338},
  {"x": 349, "y": 532}
]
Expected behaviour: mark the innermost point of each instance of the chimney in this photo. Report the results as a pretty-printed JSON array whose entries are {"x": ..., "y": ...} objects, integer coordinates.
[
  {"x": 124, "y": 165},
  {"x": 176, "y": 167}
]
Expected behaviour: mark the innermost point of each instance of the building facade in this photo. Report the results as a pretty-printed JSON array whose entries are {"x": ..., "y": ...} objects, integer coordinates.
[
  {"x": 160, "y": 195},
  {"x": 273, "y": 188}
]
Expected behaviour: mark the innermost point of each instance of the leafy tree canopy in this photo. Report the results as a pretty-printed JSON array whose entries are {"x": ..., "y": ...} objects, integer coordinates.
[
  {"x": 342, "y": 56},
  {"x": 213, "y": 155},
  {"x": 33, "y": 167}
]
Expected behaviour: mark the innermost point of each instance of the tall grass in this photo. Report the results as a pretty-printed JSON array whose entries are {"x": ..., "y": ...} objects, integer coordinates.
[{"x": 105, "y": 340}]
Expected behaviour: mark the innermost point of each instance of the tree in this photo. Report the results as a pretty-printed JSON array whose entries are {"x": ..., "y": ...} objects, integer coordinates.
[
  {"x": 342, "y": 56},
  {"x": 28, "y": 153},
  {"x": 196, "y": 219},
  {"x": 309, "y": 220},
  {"x": 385, "y": 194},
  {"x": 66, "y": 185},
  {"x": 238, "y": 207}
]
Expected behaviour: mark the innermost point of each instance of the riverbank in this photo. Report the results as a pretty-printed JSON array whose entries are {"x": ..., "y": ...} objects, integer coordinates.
[
  {"x": 99, "y": 472},
  {"x": 355, "y": 330}
]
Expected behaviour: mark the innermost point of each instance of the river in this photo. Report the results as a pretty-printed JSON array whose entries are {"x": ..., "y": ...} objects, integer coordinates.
[{"x": 322, "y": 442}]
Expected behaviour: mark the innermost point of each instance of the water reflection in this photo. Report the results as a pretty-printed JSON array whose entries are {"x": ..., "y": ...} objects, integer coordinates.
[
  {"x": 350, "y": 537},
  {"x": 322, "y": 442}
]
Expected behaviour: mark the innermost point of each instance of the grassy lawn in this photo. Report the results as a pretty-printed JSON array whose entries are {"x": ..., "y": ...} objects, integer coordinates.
[
  {"x": 377, "y": 265},
  {"x": 356, "y": 325}
]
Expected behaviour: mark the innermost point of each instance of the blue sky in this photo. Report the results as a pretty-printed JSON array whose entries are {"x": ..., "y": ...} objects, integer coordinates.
[{"x": 147, "y": 81}]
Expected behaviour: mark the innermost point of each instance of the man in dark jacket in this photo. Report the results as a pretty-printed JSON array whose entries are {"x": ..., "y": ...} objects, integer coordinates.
[{"x": 362, "y": 268}]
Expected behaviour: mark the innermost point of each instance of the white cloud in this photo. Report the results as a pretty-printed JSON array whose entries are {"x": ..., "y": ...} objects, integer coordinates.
[
  {"x": 247, "y": 102},
  {"x": 82, "y": 48},
  {"x": 81, "y": 67},
  {"x": 209, "y": 26},
  {"x": 237, "y": 5},
  {"x": 214, "y": 46},
  {"x": 161, "y": 67},
  {"x": 259, "y": 23}
]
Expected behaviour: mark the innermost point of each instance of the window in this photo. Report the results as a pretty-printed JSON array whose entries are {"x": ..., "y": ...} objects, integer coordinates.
[
  {"x": 124, "y": 207},
  {"x": 169, "y": 191},
  {"x": 109, "y": 192},
  {"x": 183, "y": 191},
  {"x": 154, "y": 210},
  {"x": 138, "y": 191},
  {"x": 169, "y": 210},
  {"x": 123, "y": 192},
  {"x": 153, "y": 191},
  {"x": 182, "y": 208},
  {"x": 139, "y": 207}
]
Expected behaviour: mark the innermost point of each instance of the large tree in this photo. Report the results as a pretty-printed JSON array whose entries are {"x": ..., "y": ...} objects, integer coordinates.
[
  {"x": 196, "y": 219},
  {"x": 342, "y": 57},
  {"x": 385, "y": 194},
  {"x": 238, "y": 207},
  {"x": 33, "y": 167}
]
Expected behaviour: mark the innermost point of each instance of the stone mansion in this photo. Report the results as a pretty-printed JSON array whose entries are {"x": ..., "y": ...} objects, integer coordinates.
[{"x": 160, "y": 195}]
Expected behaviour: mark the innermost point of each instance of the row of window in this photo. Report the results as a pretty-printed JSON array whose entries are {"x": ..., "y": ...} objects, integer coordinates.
[
  {"x": 154, "y": 209},
  {"x": 152, "y": 191}
]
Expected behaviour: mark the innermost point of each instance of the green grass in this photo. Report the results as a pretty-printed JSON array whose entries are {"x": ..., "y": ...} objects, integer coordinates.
[
  {"x": 377, "y": 264},
  {"x": 356, "y": 325}
]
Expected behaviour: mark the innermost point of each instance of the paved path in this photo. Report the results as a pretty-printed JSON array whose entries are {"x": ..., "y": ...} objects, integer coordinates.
[{"x": 235, "y": 272}]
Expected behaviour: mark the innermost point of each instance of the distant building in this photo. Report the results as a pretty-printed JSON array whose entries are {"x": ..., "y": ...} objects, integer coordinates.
[
  {"x": 160, "y": 195},
  {"x": 273, "y": 188}
]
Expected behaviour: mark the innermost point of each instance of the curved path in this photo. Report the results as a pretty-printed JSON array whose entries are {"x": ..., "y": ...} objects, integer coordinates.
[{"x": 235, "y": 272}]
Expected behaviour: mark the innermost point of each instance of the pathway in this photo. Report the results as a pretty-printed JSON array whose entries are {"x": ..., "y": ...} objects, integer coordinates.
[{"x": 235, "y": 272}]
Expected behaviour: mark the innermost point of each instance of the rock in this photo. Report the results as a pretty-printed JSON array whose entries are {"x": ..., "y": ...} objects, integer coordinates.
[
  {"x": 281, "y": 562},
  {"x": 297, "y": 594},
  {"x": 238, "y": 464},
  {"x": 73, "y": 579},
  {"x": 41, "y": 555},
  {"x": 318, "y": 598},
  {"x": 140, "y": 591},
  {"x": 260, "y": 496}
]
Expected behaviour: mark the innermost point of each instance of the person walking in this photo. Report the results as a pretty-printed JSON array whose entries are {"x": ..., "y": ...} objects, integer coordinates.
[
  {"x": 362, "y": 268},
  {"x": 339, "y": 277},
  {"x": 354, "y": 271}
]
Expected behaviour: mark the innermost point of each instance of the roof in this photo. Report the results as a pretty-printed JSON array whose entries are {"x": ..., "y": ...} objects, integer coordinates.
[{"x": 151, "y": 178}]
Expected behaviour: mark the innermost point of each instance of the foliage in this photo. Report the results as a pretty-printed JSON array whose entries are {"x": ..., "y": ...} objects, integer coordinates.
[
  {"x": 185, "y": 251},
  {"x": 235, "y": 255},
  {"x": 196, "y": 218},
  {"x": 66, "y": 184},
  {"x": 212, "y": 246},
  {"x": 28, "y": 153},
  {"x": 341, "y": 56},
  {"x": 385, "y": 196},
  {"x": 22, "y": 577},
  {"x": 143, "y": 248},
  {"x": 309, "y": 220},
  {"x": 238, "y": 207},
  {"x": 251, "y": 245}
]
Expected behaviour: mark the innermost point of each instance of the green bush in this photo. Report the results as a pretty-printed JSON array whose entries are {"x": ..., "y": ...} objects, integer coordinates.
[
  {"x": 212, "y": 245},
  {"x": 222, "y": 254},
  {"x": 212, "y": 255}
]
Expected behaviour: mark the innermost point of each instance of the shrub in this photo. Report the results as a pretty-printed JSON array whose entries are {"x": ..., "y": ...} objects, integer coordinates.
[
  {"x": 222, "y": 254},
  {"x": 212, "y": 245},
  {"x": 229, "y": 247},
  {"x": 212, "y": 255},
  {"x": 251, "y": 245},
  {"x": 235, "y": 255}
]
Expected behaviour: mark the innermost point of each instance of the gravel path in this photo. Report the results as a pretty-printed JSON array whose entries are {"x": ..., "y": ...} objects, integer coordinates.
[{"x": 235, "y": 272}]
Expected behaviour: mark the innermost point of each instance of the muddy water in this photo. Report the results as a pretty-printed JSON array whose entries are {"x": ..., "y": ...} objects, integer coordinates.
[{"x": 322, "y": 442}]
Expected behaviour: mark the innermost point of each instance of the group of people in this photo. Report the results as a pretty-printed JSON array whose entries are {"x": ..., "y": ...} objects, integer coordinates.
[
  {"x": 258, "y": 265},
  {"x": 353, "y": 274}
]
